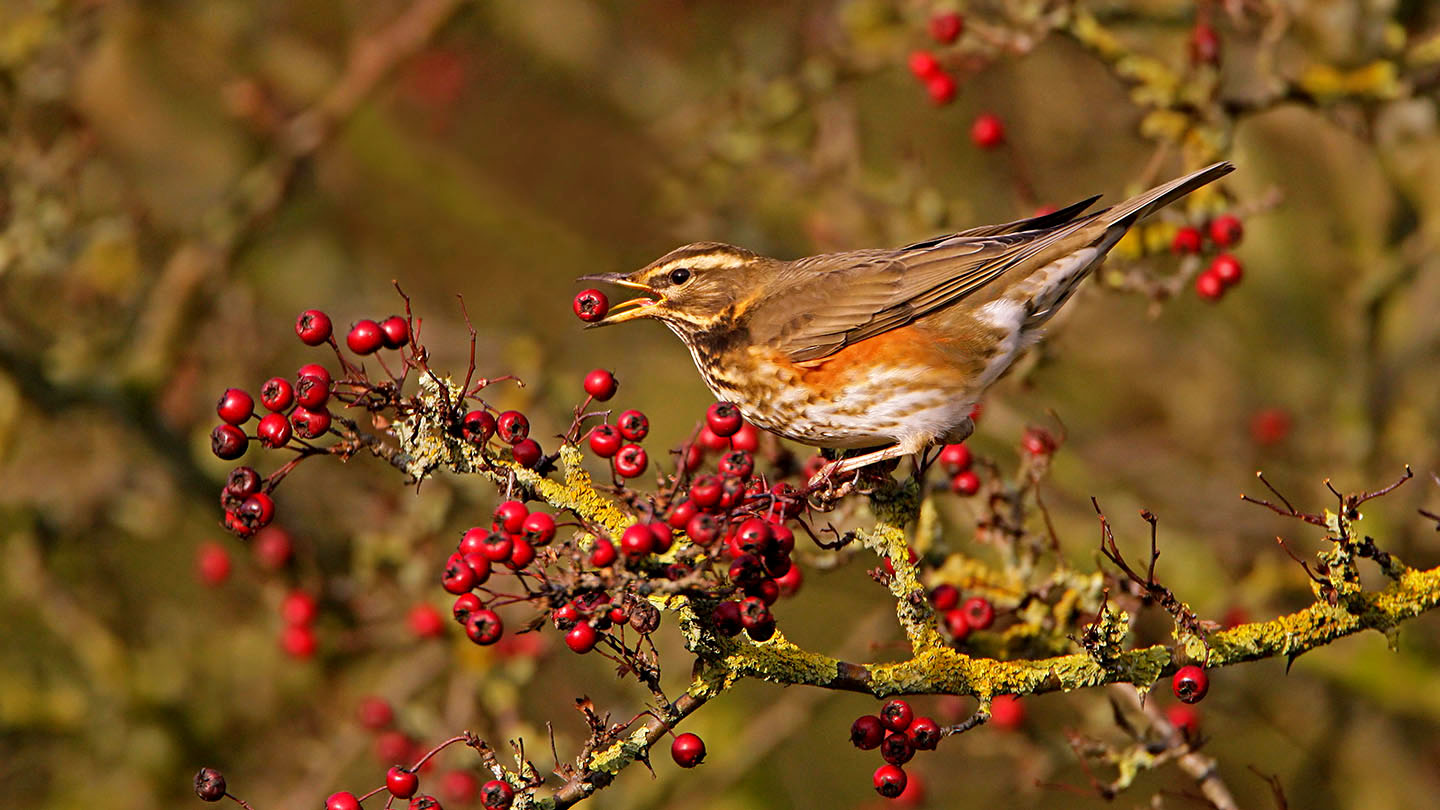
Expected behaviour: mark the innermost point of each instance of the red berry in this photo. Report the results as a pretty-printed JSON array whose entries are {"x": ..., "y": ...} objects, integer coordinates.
[
  {"x": 315, "y": 370},
  {"x": 955, "y": 458},
  {"x": 723, "y": 419},
  {"x": 465, "y": 604},
  {"x": 726, "y": 618},
  {"x": 391, "y": 746},
  {"x": 425, "y": 621},
  {"x": 923, "y": 65},
  {"x": 273, "y": 431},
  {"x": 979, "y": 613},
  {"x": 941, "y": 88},
  {"x": 867, "y": 732},
  {"x": 633, "y": 425},
  {"x": 755, "y": 616},
  {"x": 311, "y": 391},
  {"x": 1204, "y": 45},
  {"x": 631, "y": 461},
  {"x": 703, "y": 529},
  {"x": 458, "y": 577},
  {"x": 212, "y": 564},
  {"x": 896, "y": 715},
  {"x": 708, "y": 440},
  {"x": 1184, "y": 718},
  {"x": 680, "y": 514},
  {"x": 299, "y": 608},
  {"x": 957, "y": 624},
  {"x": 496, "y": 795},
  {"x": 512, "y": 427},
  {"x": 496, "y": 546},
  {"x": 604, "y": 440},
  {"x": 460, "y": 786},
  {"x": 235, "y": 406},
  {"x": 1226, "y": 230},
  {"x": 401, "y": 782},
  {"x": 897, "y": 749},
  {"x": 484, "y": 627},
  {"x": 706, "y": 491},
  {"x": 889, "y": 781},
  {"x": 966, "y": 483},
  {"x": 688, "y": 750},
  {"x": 747, "y": 438},
  {"x": 510, "y": 516},
  {"x": 477, "y": 427},
  {"x": 313, "y": 327},
  {"x": 521, "y": 555},
  {"x": 375, "y": 713},
  {"x": 394, "y": 332},
  {"x": 239, "y": 485},
  {"x": 790, "y": 582},
  {"x": 988, "y": 131},
  {"x": 228, "y": 442},
  {"x": 1006, "y": 711},
  {"x": 1190, "y": 684},
  {"x": 662, "y": 534},
  {"x": 565, "y": 616},
  {"x": 924, "y": 733},
  {"x": 277, "y": 394},
  {"x": 1227, "y": 268},
  {"x": 603, "y": 553},
  {"x": 1270, "y": 426},
  {"x": 273, "y": 548},
  {"x": 591, "y": 305},
  {"x": 426, "y": 802},
  {"x": 527, "y": 453},
  {"x": 581, "y": 638},
  {"x": 637, "y": 541},
  {"x": 256, "y": 511},
  {"x": 298, "y": 641},
  {"x": 479, "y": 566},
  {"x": 539, "y": 528},
  {"x": 946, "y": 28},
  {"x": 737, "y": 464},
  {"x": 310, "y": 424},
  {"x": 344, "y": 800},
  {"x": 1187, "y": 240},
  {"x": 945, "y": 597},
  {"x": 601, "y": 385},
  {"x": 365, "y": 337},
  {"x": 1038, "y": 442},
  {"x": 1209, "y": 286}
]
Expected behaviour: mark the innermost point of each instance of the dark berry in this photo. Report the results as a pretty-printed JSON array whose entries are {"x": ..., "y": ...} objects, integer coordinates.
[
  {"x": 746, "y": 569},
  {"x": 924, "y": 65},
  {"x": 602, "y": 553},
  {"x": 1209, "y": 286},
  {"x": 1226, "y": 230},
  {"x": 1187, "y": 240},
  {"x": 966, "y": 483},
  {"x": 496, "y": 795},
  {"x": 277, "y": 394},
  {"x": 944, "y": 597},
  {"x": 756, "y": 618},
  {"x": 941, "y": 88},
  {"x": 527, "y": 453},
  {"x": 867, "y": 732},
  {"x": 539, "y": 528},
  {"x": 945, "y": 28},
  {"x": 242, "y": 483},
  {"x": 764, "y": 589},
  {"x": 723, "y": 419},
  {"x": 310, "y": 424},
  {"x": 273, "y": 431},
  {"x": 581, "y": 638},
  {"x": 394, "y": 332},
  {"x": 401, "y": 782},
  {"x": 924, "y": 733},
  {"x": 484, "y": 627},
  {"x": 1228, "y": 269},
  {"x": 604, "y": 440},
  {"x": 477, "y": 426},
  {"x": 896, "y": 715},
  {"x": 228, "y": 442},
  {"x": 726, "y": 618},
  {"x": 365, "y": 337},
  {"x": 988, "y": 131},
  {"x": 256, "y": 511},
  {"x": 897, "y": 749},
  {"x": 313, "y": 327},
  {"x": 235, "y": 406},
  {"x": 979, "y": 613},
  {"x": 889, "y": 781},
  {"x": 512, "y": 427},
  {"x": 510, "y": 517},
  {"x": 633, "y": 425},
  {"x": 591, "y": 305},
  {"x": 631, "y": 461},
  {"x": 601, "y": 385},
  {"x": 1190, "y": 684},
  {"x": 688, "y": 750},
  {"x": 210, "y": 785}
]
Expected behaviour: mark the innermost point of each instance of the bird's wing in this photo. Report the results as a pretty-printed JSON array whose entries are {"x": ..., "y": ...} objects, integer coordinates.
[{"x": 1040, "y": 223}]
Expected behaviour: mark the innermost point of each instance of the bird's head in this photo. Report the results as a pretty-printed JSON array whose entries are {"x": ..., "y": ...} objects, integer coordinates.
[{"x": 690, "y": 289}]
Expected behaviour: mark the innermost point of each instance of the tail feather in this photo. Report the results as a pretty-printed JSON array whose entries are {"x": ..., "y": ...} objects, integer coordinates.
[{"x": 1136, "y": 208}]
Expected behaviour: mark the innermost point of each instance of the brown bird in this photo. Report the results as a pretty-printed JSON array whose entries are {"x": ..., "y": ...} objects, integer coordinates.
[{"x": 878, "y": 348}]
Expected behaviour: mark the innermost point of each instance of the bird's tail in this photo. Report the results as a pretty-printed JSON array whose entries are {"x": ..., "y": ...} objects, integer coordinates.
[{"x": 1137, "y": 208}]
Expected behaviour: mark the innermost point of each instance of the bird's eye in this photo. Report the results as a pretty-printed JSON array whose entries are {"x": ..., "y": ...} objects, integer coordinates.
[{"x": 679, "y": 275}]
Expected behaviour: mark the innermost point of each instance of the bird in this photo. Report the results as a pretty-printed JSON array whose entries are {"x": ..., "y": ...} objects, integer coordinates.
[{"x": 883, "y": 349}]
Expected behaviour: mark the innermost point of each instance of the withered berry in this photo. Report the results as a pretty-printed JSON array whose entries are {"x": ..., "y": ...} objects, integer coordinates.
[
  {"x": 210, "y": 785},
  {"x": 228, "y": 442}
]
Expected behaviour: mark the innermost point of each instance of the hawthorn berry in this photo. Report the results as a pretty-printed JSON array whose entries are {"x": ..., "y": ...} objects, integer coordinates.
[
  {"x": 1185, "y": 718},
  {"x": 479, "y": 565},
  {"x": 539, "y": 528},
  {"x": 707, "y": 439},
  {"x": 299, "y": 608},
  {"x": 401, "y": 782},
  {"x": 754, "y": 536},
  {"x": 726, "y": 618},
  {"x": 680, "y": 514},
  {"x": 299, "y": 641},
  {"x": 601, "y": 385},
  {"x": 1228, "y": 269},
  {"x": 591, "y": 305},
  {"x": 484, "y": 626},
  {"x": 495, "y": 546},
  {"x": 897, "y": 749},
  {"x": 310, "y": 424},
  {"x": 425, "y": 621},
  {"x": 496, "y": 795},
  {"x": 747, "y": 438},
  {"x": 688, "y": 750},
  {"x": 394, "y": 332},
  {"x": 477, "y": 426},
  {"x": 945, "y": 28},
  {"x": 460, "y": 786},
  {"x": 344, "y": 800},
  {"x": 1190, "y": 684},
  {"x": 521, "y": 554},
  {"x": 1204, "y": 45},
  {"x": 941, "y": 88},
  {"x": 565, "y": 616},
  {"x": 512, "y": 427},
  {"x": 1226, "y": 230},
  {"x": 365, "y": 337},
  {"x": 315, "y": 370},
  {"x": 465, "y": 604},
  {"x": 510, "y": 516},
  {"x": 923, "y": 65},
  {"x": 1038, "y": 442},
  {"x": 241, "y": 483},
  {"x": 375, "y": 713},
  {"x": 706, "y": 491},
  {"x": 273, "y": 431},
  {"x": 957, "y": 624},
  {"x": 633, "y": 425},
  {"x": 1186, "y": 240},
  {"x": 737, "y": 464},
  {"x": 924, "y": 733},
  {"x": 581, "y": 638},
  {"x": 755, "y": 616},
  {"x": 212, "y": 564},
  {"x": 604, "y": 440},
  {"x": 603, "y": 553},
  {"x": 228, "y": 442},
  {"x": 988, "y": 131},
  {"x": 457, "y": 578},
  {"x": 210, "y": 785},
  {"x": 664, "y": 538},
  {"x": 631, "y": 461},
  {"x": 1209, "y": 286},
  {"x": 896, "y": 715},
  {"x": 527, "y": 453},
  {"x": 966, "y": 483},
  {"x": 944, "y": 597},
  {"x": 273, "y": 548},
  {"x": 867, "y": 732},
  {"x": 256, "y": 511},
  {"x": 746, "y": 569},
  {"x": 703, "y": 529},
  {"x": 1007, "y": 712},
  {"x": 723, "y": 419},
  {"x": 764, "y": 589},
  {"x": 313, "y": 327},
  {"x": 637, "y": 541},
  {"x": 235, "y": 406},
  {"x": 425, "y": 802},
  {"x": 392, "y": 746},
  {"x": 277, "y": 394},
  {"x": 979, "y": 613},
  {"x": 889, "y": 781},
  {"x": 311, "y": 391},
  {"x": 1269, "y": 426},
  {"x": 790, "y": 581},
  {"x": 956, "y": 458}
]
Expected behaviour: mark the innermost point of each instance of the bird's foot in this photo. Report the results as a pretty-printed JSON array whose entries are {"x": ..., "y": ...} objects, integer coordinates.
[{"x": 824, "y": 489}]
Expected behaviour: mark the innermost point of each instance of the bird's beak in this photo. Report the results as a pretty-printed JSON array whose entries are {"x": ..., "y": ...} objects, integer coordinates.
[{"x": 630, "y": 310}]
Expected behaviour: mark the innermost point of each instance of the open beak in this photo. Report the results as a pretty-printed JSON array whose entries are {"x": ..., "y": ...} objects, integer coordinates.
[{"x": 634, "y": 308}]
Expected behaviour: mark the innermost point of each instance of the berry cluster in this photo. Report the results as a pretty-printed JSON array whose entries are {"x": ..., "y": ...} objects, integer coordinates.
[
  {"x": 898, "y": 733},
  {"x": 1225, "y": 271},
  {"x": 960, "y": 618},
  {"x": 944, "y": 28}
]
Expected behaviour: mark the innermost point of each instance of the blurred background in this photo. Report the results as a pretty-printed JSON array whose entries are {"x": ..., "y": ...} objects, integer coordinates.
[{"x": 180, "y": 179}]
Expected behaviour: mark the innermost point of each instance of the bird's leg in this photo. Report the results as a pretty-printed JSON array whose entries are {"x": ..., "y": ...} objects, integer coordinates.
[{"x": 844, "y": 465}]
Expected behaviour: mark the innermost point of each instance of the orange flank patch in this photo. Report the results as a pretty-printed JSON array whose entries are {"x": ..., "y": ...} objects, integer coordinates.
[{"x": 903, "y": 347}]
